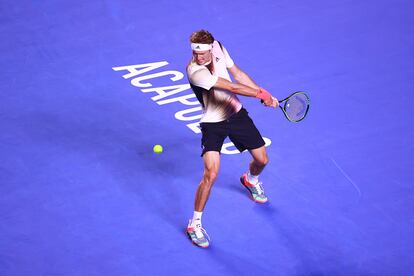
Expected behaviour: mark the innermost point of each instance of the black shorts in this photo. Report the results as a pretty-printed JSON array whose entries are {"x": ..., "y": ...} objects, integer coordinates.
[{"x": 239, "y": 128}]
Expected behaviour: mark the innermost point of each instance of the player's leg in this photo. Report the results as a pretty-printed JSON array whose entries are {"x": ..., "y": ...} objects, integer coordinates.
[
  {"x": 250, "y": 180},
  {"x": 212, "y": 141},
  {"x": 259, "y": 160},
  {"x": 245, "y": 135},
  {"x": 211, "y": 167}
]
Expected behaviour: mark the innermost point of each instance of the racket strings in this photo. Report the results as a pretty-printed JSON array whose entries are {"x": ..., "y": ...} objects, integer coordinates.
[{"x": 296, "y": 107}]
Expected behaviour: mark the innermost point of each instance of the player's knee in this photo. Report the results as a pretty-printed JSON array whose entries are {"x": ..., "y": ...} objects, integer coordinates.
[
  {"x": 262, "y": 161},
  {"x": 265, "y": 160},
  {"x": 209, "y": 177}
]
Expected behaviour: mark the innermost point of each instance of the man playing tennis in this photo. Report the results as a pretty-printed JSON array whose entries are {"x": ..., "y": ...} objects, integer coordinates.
[{"x": 223, "y": 116}]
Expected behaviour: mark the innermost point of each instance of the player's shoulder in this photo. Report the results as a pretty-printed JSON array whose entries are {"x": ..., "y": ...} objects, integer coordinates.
[{"x": 193, "y": 67}]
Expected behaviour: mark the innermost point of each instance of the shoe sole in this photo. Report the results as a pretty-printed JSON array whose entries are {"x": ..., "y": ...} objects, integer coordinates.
[{"x": 250, "y": 194}]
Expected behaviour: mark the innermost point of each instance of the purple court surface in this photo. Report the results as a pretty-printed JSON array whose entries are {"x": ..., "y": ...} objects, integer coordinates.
[{"x": 88, "y": 87}]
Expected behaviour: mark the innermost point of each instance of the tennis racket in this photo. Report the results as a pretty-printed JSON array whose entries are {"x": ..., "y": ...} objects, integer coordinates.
[{"x": 296, "y": 106}]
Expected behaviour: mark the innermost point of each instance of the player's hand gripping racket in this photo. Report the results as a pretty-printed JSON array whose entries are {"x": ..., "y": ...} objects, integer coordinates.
[{"x": 295, "y": 107}]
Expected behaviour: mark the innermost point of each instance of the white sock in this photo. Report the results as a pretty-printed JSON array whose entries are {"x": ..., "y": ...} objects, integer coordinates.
[
  {"x": 253, "y": 179},
  {"x": 196, "y": 219}
]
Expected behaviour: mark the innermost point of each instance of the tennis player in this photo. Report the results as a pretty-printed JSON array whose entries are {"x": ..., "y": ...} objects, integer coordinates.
[{"x": 223, "y": 116}]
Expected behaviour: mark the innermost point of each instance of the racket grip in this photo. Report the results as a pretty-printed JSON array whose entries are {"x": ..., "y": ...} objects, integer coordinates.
[{"x": 262, "y": 101}]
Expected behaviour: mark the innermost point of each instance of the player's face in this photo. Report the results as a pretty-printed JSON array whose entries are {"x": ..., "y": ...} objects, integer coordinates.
[{"x": 202, "y": 57}]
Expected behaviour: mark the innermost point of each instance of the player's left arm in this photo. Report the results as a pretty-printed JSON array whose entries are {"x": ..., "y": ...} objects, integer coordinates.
[{"x": 241, "y": 77}]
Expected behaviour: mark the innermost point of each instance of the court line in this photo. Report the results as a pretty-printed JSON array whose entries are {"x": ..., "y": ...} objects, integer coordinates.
[{"x": 347, "y": 177}]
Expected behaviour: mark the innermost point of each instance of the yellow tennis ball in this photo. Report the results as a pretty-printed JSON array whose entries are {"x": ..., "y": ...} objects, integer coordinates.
[{"x": 157, "y": 149}]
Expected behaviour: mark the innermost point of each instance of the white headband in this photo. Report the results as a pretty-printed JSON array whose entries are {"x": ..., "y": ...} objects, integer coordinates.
[{"x": 201, "y": 47}]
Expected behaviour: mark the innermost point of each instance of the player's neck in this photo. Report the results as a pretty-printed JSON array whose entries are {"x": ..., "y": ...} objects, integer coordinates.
[{"x": 210, "y": 67}]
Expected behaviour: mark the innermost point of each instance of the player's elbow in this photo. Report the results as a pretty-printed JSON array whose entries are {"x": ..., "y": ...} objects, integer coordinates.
[{"x": 238, "y": 77}]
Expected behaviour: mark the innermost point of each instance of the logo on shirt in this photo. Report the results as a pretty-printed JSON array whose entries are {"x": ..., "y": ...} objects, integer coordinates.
[{"x": 217, "y": 59}]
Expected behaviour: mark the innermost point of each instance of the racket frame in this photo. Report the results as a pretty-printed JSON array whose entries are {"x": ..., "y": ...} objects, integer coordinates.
[{"x": 284, "y": 101}]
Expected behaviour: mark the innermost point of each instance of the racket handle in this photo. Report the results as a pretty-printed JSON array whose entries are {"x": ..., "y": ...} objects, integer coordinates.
[{"x": 277, "y": 101}]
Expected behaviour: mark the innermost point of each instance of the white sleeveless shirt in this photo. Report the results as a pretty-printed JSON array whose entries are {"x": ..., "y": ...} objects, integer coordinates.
[{"x": 218, "y": 105}]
